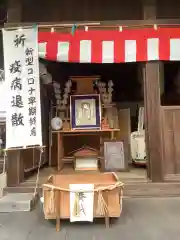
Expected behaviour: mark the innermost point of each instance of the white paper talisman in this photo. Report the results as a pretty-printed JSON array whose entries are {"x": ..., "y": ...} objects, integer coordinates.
[{"x": 81, "y": 202}]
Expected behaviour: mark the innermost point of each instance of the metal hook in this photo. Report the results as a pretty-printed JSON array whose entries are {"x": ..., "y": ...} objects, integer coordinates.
[
  {"x": 41, "y": 149},
  {"x": 5, "y": 153},
  {"x": 120, "y": 28},
  {"x": 155, "y": 27}
]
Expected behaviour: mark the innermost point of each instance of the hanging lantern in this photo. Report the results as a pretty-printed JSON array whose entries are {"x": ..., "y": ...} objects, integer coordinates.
[{"x": 56, "y": 123}]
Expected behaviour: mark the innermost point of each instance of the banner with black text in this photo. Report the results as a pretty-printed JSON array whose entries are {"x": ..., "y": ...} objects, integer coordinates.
[{"x": 21, "y": 66}]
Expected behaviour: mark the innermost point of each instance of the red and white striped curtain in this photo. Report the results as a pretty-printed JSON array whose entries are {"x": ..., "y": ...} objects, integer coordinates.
[{"x": 112, "y": 46}]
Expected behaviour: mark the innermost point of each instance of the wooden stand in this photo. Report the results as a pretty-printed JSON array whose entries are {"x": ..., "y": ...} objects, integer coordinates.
[
  {"x": 62, "y": 134},
  {"x": 109, "y": 128},
  {"x": 58, "y": 207}
]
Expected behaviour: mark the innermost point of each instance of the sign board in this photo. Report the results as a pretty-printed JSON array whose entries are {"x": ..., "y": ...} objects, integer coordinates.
[
  {"x": 114, "y": 156},
  {"x": 21, "y": 66}
]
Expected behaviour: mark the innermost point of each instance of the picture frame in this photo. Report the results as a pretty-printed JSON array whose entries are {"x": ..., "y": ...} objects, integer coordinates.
[
  {"x": 114, "y": 156},
  {"x": 85, "y": 112}
]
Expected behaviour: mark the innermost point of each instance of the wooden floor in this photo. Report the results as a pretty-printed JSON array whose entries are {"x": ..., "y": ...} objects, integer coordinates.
[{"x": 135, "y": 175}]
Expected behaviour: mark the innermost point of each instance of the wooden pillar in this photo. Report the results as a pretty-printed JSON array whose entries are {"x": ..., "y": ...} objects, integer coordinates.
[
  {"x": 15, "y": 168},
  {"x": 153, "y": 120},
  {"x": 151, "y": 77}
]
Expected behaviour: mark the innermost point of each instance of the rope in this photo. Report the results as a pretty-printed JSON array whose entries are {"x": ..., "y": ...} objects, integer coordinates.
[
  {"x": 3, "y": 175},
  {"x": 37, "y": 177},
  {"x": 108, "y": 188},
  {"x": 100, "y": 188},
  {"x": 4, "y": 162}
]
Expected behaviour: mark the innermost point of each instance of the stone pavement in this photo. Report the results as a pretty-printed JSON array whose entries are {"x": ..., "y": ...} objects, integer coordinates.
[{"x": 142, "y": 219}]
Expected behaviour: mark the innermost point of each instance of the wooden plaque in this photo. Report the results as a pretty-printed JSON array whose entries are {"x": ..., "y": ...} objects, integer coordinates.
[{"x": 114, "y": 156}]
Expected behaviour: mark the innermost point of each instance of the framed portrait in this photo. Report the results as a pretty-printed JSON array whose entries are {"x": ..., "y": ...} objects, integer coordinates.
[{"x": 85, "y": 111}]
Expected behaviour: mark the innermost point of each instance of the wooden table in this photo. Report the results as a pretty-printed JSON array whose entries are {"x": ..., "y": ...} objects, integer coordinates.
[{"x": 80, "y": 132}]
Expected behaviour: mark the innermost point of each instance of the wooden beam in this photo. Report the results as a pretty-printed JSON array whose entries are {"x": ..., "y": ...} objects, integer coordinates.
[
  {"x": 149, "y": 22},
  {"x": 15, "y": 168}
]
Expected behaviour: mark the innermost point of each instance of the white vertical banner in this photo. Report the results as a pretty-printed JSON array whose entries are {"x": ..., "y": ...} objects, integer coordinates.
[{"x": 21, "y": 66}]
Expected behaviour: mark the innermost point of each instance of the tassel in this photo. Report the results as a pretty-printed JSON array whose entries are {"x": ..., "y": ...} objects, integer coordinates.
[
  {"x": 74, "y": 27},
  {"x": 76, "y": 209},
  {"x": 51, "y": 202},
  {"x": 102, "y": 207},
  {"x": 35, "y": 26}
]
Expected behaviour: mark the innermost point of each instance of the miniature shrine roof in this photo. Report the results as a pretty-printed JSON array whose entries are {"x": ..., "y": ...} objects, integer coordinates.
[{"x": 85, "y": 151}]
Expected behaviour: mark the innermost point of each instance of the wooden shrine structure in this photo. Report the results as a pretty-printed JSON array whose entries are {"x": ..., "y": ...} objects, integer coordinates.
[
  {"x": 161, "y": 124},
  {"x": 88, "y": 141}
]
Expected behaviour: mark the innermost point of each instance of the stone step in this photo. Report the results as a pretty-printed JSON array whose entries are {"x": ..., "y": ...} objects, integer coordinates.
[
  {"x": 22, "y": 189},
  {"x": 17, "y": 202},
  {"x": 152, "y": 189},
  {"x": 131, "y": 189}
]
